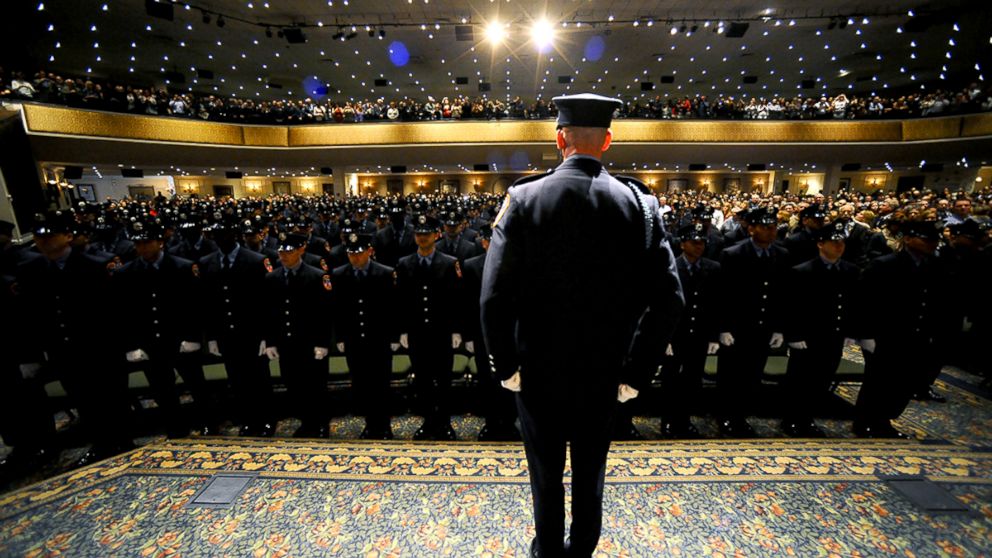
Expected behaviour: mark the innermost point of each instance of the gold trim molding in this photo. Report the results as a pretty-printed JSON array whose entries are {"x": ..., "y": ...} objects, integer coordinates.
[{"x": 73, "y": 122}]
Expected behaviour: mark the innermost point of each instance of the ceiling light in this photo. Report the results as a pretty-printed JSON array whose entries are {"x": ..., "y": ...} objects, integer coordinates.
[
  {"x": 542, "y": 33},
  {"x": 495, "y": 32}
]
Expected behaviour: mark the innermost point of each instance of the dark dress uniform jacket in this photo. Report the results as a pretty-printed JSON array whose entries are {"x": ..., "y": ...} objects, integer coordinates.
[
  {"x": 473, "y": 269},
  {"x": 699, "y": 319},
  {"x": 391, "y": 245},
  {"x": 801, "y": 246},
  {"x": 429, "y": 302},
  {"x": 159, "y": 306},
  {"x": 827, "y": 311},
  {"x": 568, "y": 278},
  {"x": 364, "y": 311},
  {"x": 297, "y": 311},
  {"x": 230, "y": 298},
  {"x": 753, "y": 290},
  {"x": 920, "y": 311},
  {"x": 460, "y": 247}
]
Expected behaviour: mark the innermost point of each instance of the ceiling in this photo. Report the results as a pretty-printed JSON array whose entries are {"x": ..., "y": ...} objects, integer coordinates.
[{"x": 839, "y": 45}]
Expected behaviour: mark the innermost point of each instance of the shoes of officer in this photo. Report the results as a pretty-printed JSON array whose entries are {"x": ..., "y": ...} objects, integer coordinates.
[
  {"x": 569, "y": 552},
  {"x": 880, "y": 430},
  {"x": 312, "y": 431},
  {"x": 385, "y": 433},
  {"x": 736, "y": 428},
  {"x": 263, "y": 430},
  {"x": 674, "y": 430},
  {"x": 435, "y": 430},
  {"x": 802, "y": 429},
  {"x": 24, "y": 461},
  {"x": 99, "y": 453},
  {"x": 929, "y": 395}
]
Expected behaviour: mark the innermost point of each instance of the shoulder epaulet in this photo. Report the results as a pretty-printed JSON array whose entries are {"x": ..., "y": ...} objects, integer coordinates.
[{"x": 531, "y": 178}]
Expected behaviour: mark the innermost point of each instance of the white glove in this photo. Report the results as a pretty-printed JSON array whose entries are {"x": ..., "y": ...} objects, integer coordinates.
[
  {"x": 261, "y": 348},
  {"x": 966, "y": 325},
  {"x": 712, "y": 348},
  {"x": 776, "y": 341},
  {"x": 189, "y": 347},
  {"x": 404, "y": 341},
  {"x": 30, "y": 370},
  {"x": 213, "y": 349},
  {"x": 340, "y": 347},
  {"x": 136, "y": 356},
  {"x": 798, "y": 345},
  {"x": 320, "y": 353},
  {"x": 394, "y": 346},
  {"x": 513, "y": 383},
  {"x": 668, "y": 350},
  {"x": 726, "y": 339},
  {"x": 456, "y": 340},
  {"x": 625, "y": 393},
  {"x": 868, "y": 345},
  {"x": 470, "y": 347},
  {"x": 848, "y": 341},
  {"x": 272, "y": 353}
]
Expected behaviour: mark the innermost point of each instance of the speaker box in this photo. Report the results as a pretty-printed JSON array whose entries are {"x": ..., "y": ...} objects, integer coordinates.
[
  {"x": 667, "y": 79},
  {"x": 72, "y": 173},
  {"x": 234, "y": 174},
  {"x": 647, "y": 86},
  {"x": 161, "y": 10},
  {"x": 932, "y": 167},
  {"x": 175, "y": 77},
  {"x": 326, "y": 170},
  {"x": 756, "y": 167},
  {"x": 204, "y": 74},
  {"x": 850, "y": 167},
  {"x": 461, "y": 81},
  {"x": 750, "y": 79},
  {"x": 132, "y": 173},
  {"x": 564, "y": 79},
  {"x": 382, "y": 83},
  {"x": 485, "y": 86},
  {"x": 294, "y": 35},
  {"x": 697, "y": 166},
  {"x": 736, "y": 30},
  {"x": 481, "y": 167},
  {"x": 397, "y": 169},
  {"x": 808, "y": 84},
  {"x": 463, "y": 33}
]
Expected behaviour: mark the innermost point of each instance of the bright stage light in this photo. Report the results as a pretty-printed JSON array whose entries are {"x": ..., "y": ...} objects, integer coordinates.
[
  {"x": 495, "y": 32},
  {"x": 543, "y": 34}
]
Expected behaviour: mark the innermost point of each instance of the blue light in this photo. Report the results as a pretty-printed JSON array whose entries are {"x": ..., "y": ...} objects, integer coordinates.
[
  {"x": 595, "y": 47},
  {"x": 398, "y": 54}
]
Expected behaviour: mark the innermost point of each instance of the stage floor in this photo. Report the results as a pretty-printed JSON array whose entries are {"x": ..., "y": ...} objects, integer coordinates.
[{"x": 762, "y": 497}]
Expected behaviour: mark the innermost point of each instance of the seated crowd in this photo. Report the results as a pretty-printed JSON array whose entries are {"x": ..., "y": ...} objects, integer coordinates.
[
  {"x": 48, "y": 87},
  {"x": 298, "y": 279}
]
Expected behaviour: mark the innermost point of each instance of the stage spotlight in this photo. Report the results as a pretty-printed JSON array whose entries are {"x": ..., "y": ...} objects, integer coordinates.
[
  {"x": 542, "y": 34},
  {"x": 495, "y": 32},
  {"x": 832, "y": 24},
  {"x": 694, "y": 28},
  {"x": 683, "y": 28},
  {"x": 206, "y": 18},
  {"x": 268, "y": 32},
  {"x": 382, "y": 34},
  {"x": 220, "y": 21}
]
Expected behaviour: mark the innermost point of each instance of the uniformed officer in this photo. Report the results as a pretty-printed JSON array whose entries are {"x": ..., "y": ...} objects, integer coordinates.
[
  {"x": 396, "y": 239},
  {"x": 156, "y": 293},
  {"x": 231, "y": 280},
  {"x": 802, "y": 244},
  {"x": 498, "y": 406},
  {"x": 697, "y": 335},
  {"x": 193, "y": 244},
  {"x": 428, "y": 283},
  {"x": 364, "y": 301},
  {"x": 577, "y": 259},
  {"x": 818, "y": 327},
  {"x": 297, "y": 299},
  {"x": 11, "y": 255},
  {"x": 453, "y": 242},
  {"x": 903, "y": 339},
  {"x": 753, "y": 286},
  {"x": 59, "y": 296},
  {"x": 702, "y": 214},
  {"x": 339, "y": 254}
]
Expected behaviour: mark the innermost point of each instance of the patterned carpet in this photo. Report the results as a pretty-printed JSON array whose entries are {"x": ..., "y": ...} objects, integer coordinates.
[{"x": 339, "y": 497}]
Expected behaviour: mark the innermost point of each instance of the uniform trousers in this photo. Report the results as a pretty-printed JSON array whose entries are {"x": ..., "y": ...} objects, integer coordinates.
[
  {"x": 498, "y": 405},
  {"x": 432, "y": 358},
  {"x": 371, "y": 365},
  {"x": 160, "y": 370},
  {"x": 892, "y": 375},
  {"x": 682, "y": 378},
  {"x": 97, "y": 386},
  {"x": 549, "y": 422},
  {"x": 248, "y": 375},
  {"x": 739, "y": 370},
  {"x": 26, "y": 418},
  {"x": 306, "y": 382},
  {"x": 808, "y": 376}
]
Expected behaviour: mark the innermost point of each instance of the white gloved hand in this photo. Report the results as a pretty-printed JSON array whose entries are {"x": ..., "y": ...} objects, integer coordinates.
[
  {"x": 625, "y": 393},
  {"x": 868, "y": 345},
  {"x": 189, "y": 347},
  {"x": 798, "y": 345},
  {"x": 456, "y": 340},
  {"x": 261, "y": 348},
  {"x": 320, "y": 353},
  {"x": 213, "y": 349},
  {"x": 726, "y": 339},
  {"x": 776, "y": 341},
  {"x": 136, "y": 356},
  {"x": 30, "y": 370},
  {"x": 470, "y": 347},
  {"x": 340, "y": 347},
  {"x": 848, "y": 342},
  {"x": 712, "y": 348},
  {"x": 512, "y": 383},
  {"x": 394, "y": 346},
  {"x": 272, "y": 353},
  {"x": 668, "y": 350},
  {"x": 966, "y": 325},
  {"x": 404, "y": 341}
]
